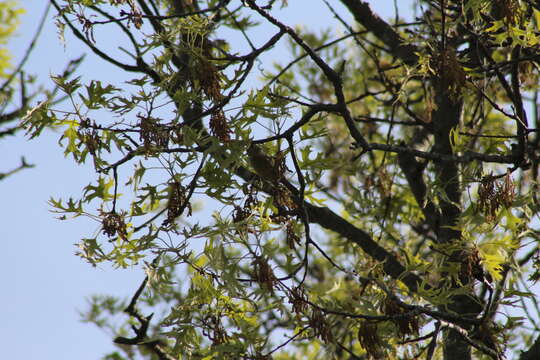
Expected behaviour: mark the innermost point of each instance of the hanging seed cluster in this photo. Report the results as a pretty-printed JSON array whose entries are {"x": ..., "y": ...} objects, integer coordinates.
[
  {"x": 406, "y": 324},
  {"x": 535, "y": 276},
  {"x": 210, "y": 81},
  {"x": 369, "y": 339},
  {"x": 263, "y": 274},
  {"x": 177, "y": 203},
  {"x": 290, "y": 235},
  {"x": 319, "y": 325},
  {"x": 219, "y": 127},
  {"x": 493, "y": 194},
  {"x": 509, "y": 11},
  {"x": 452, "y": 73},
  {"x": 152, "y": 133},
  {"x": 113, "y": 224},
  {"x": 283, "y": 199},
  {"x": 241, "y": 213},
  {"x": 89, "y": 136},
  {"x": 471, "y": 266},
  {"x": 297, "y": 298}
]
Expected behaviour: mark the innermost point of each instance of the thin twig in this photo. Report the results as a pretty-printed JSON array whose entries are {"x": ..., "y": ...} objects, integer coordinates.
[{"x": 28, "y": 49}]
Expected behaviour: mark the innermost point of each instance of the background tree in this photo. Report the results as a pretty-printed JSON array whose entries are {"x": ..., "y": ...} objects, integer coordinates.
[
  {"x": 373, "y": 198},
  {"x": 9, "y": 17},
  {"x": 17, "y": 87}
]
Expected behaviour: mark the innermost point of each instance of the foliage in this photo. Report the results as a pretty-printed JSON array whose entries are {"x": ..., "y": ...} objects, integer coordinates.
[
  {"x": 9, "y": 19},
  {"x": 373, "y": 197},
  {"x": 15, "y": 96}
]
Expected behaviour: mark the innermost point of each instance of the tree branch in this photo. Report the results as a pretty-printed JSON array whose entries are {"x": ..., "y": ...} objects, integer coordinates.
[
  {"x": 156, "y": 346},
  {"x": 533, "y": 353},
  {"x": 98, "y": 52},
  {"x": 414, "y": 171},
  {"x": 23, "y": 165},
  {"x": 467, "y": 157},
  {"x": 331, "y": 221},
  {"x": 28, "y": 50},
  {"x": 331, "y": 75},
  {"x": 382, "y": 30}
]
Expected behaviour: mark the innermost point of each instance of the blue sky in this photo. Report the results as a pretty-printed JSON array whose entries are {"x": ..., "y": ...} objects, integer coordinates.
[{"x": 45, "y": 284}]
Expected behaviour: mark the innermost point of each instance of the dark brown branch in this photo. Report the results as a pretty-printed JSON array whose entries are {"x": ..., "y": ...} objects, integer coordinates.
[
  {"x": 519, "y": 109},
  {"x": 464, "y": 334},
  {"x": 421, "y": 338},
  {"x": 122, "y": 27},
  {"x": 533, "y": 353},
  {"x": 162, "y": 17},
  {"x": 256, "y": 52},
  {"x": 382, "y": 30},
  {"x": 141, "y": 151},
  {"x": 303, "y": 56},
  {"x": 298, "y": 333},
  {"x": 313, "y": 110},
  {"x": 331, "y": 221},
  {"x": 5, "y": 118},
  {"x": 28, "y": 50},
  {"x": 9, "y": 131},
  {"x": 155, "y": 346},
  {"x": 433, "y": 343},
  {"x": 23, "y": 165},
  {"x": 330, "y": 74},
  {"x": 371, "y": 119},
  {"x": 98, "y": 52},
  {"x": 414, "y": 171},
  {"x": 465, "y": 158}
]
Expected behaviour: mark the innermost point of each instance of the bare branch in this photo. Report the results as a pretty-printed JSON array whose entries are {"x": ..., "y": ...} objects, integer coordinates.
[{"x": 381, "y": 29}]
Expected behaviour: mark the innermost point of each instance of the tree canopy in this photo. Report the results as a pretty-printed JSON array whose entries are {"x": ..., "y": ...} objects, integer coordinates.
[
  {"x": 18, "y": 86},
  {"x": 374, "y": 197},
  {"x": 9, "y": 20}
]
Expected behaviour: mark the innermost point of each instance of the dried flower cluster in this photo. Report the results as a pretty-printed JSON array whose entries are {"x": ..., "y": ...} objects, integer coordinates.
[
  {"x": 292, "y": 238},
  {"x": 535, "y": 276},
  {"x": 320, "y": 326},
  {"x": 283, "y": 198},
  {"x": 113, "y": 224},
  {"x": 90, "y": 137},
  {"x": 493, "y": 194},
  {"x": 509, "y": 11},
  {"x": 210, "y": 81},
  {"x": 219, "y": 127},
  {"x": 177, "y": 203},
  {"x": 152, "y": 133},
  {"x": 451, "y": 72},
  {"x": 297, "y": 298},
  {"x": 241, "y": 213},
  {"x": 263, "y": 274},
  {"x": 369, "y": 339},
  {"x": 471, "y": 266},
  {"x": 406, "y": 324}
]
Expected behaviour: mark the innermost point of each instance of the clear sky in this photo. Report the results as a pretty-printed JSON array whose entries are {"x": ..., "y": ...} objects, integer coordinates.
[{"x": 44, "y": 283}]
